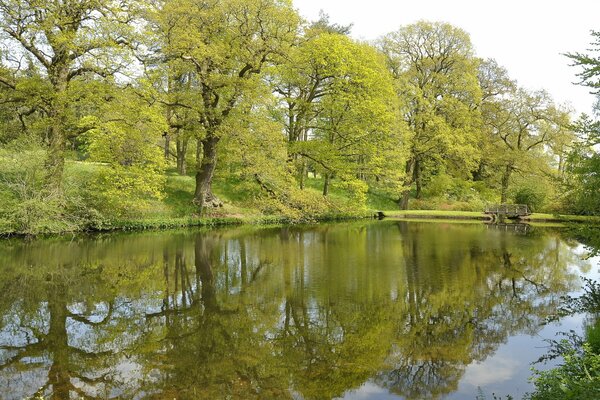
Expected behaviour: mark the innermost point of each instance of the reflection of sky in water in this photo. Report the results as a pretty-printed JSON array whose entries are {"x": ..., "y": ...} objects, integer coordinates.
[
  {"x": 505, "y": 372},
  {"x": 508, "y": 370}
]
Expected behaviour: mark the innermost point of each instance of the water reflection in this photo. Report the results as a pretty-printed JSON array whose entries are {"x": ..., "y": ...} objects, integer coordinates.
[{"x": 289, "y": 312}]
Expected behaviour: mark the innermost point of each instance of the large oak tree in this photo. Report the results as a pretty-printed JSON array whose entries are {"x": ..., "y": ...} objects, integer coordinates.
[
  {"x": 226, "y": 44},
  {"x": 65, "y": 39}
]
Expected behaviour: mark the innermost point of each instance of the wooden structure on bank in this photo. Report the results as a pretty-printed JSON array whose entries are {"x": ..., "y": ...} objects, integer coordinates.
[{"x": 510, "y": 211}]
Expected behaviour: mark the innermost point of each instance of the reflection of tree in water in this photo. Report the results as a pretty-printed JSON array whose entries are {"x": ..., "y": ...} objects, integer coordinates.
[
  {"x": 275, "y": 313},
  {"x": 66, "y": 342},
  {"x": 502, "y": 286},
  {"x": 63, "y": 322},
  {"x": 214, "y": 345},
  {"x": 422, "y": 379}
]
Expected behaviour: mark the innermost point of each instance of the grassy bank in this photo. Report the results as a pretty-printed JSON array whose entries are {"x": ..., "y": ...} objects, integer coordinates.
[
  {"x": 89, "y": 207},
  {"x": 254, "y": 218},
  {"x": 474, "y": 215},
  {"x": 435, "y": 214}
]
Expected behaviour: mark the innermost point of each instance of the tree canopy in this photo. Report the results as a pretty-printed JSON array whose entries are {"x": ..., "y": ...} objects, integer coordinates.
[{"x": 127, "y": 110}]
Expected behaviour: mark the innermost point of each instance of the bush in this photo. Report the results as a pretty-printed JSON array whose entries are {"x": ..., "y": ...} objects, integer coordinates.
[
  {"x": 577, "y": 378},
  {"x": 592, "y": 334},
  {"x": 27, "y": 207},
  {"x": 533, "y": 197}
]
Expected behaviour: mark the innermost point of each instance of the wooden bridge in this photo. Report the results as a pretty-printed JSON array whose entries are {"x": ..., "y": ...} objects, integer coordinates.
[{"x": 510, "y": 211}]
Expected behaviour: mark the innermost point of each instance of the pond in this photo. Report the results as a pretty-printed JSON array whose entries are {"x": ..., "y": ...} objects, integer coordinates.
[{"x": 371, "y": 309}]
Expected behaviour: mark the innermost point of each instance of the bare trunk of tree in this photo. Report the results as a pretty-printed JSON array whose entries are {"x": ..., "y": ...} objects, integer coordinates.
[
  {"x": 55, "y": 159},
  {"x": 326, "y": 185},
  {"x": 181, "y": 152},
  {"x": 203, "y": 194},
  {"x": 505, "y": 183},
  {"x": 418, "y": 179},
  {"x": 167, "y": 144},
  {"x": 408, "y": 181},
  {"x": 479, "y": 173},
  {"x": 302, "y": 172}
]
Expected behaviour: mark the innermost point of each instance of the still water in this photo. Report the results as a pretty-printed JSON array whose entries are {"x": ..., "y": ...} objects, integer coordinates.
[{"x": 377, "y": 309}]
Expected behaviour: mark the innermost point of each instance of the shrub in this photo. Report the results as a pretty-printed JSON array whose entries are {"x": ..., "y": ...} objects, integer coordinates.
[
  {"x": 578, "y": 377},
  {"x": 592, "y": 334},
  {"x": 533, "y": 197},
  {"x": 27, "y": 207}
]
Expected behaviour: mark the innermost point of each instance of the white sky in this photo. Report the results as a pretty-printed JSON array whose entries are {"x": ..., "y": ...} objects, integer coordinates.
[{"x": 527, "y": 37}]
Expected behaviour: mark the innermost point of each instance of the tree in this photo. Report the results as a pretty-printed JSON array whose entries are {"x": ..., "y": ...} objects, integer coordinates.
[
  {"x": 584, "y": 161},
  {"x": 582, "y": 166},
  {"x": 521, "y": 124},
  {"x": 436, "y": 72},
  {"x": 123, "y": 134},
  {"x": 339, "y": 107},
  {"x": 66, "y": 40},
  {"x": 226, "y": 45},
  {"x": 495, "y": 84}
]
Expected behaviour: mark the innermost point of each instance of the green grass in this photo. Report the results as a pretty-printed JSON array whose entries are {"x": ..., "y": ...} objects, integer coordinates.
[
  {"x": 435, "y": 214},
  {"x": 536, "y": 217},
  {"x": 177, "y": 207},
  {"x": 564, "y": 218},
  {"x": 167, "y": 223},
  {"x": 378, "y": 200},
  {"x": 334, "y": 193},
  {"x": 179, "y": 193}
]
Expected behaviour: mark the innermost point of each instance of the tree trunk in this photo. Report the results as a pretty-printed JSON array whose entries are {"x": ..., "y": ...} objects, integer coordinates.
[
  {"x": 408, "y": 180},
  {"x": 203, "y": 194},
  {"x": 326, "y": 185},
  {"x": 302, "y": 173},
  {"x": 417, "y": 179},
  {"x": 561, "y": 164},
  {"x": 181, "y": 152},
  {"x": 505, "y": 182},
  {"x": 167, "y": 144},
  {"x": 55, "y": 159},
  {"x": 198, "y": 152}
]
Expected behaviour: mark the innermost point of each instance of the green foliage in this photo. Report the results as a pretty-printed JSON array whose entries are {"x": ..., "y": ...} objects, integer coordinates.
[
  {"x": 123, "y": 140},
  {"x": 583, "y": 181},
  {"x": 274, "y": 100},
  {"x": 578, "y": 377},
  {"x": 445, "y": 192},
  {"x": 583, "y": 196},
  {"x": 592, "y": 336},
  {"x": 141, "y": 224},
  {"x": 27, "y": 207},
  {"x": 437, "y": 80},
  {"x": 533, "y": 198},
  {"x": 340, "y": 114},
  {"x": 64, "y": 42}
]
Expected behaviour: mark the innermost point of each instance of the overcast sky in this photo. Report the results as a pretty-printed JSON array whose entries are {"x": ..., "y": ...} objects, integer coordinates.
[{"x": 525, "y": 36}]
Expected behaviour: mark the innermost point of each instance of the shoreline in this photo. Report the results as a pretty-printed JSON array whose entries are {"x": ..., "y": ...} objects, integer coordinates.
[
  {"x": 480, "y": 216},
  {"x": 142, "y": 225},
  {"x": 165, "y": 224}
]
